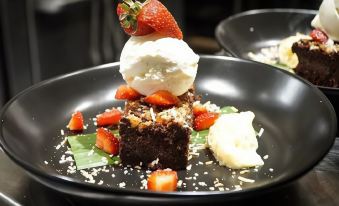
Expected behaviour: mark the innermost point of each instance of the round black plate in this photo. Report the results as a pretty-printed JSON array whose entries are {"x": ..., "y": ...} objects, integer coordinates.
[
  {"x": 253, "y": 30},
  {"x": 299, "y": 123}
]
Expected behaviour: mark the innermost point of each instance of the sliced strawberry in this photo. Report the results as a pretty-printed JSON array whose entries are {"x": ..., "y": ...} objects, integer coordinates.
[
  {"x": 99, "y": 142},
  {"x": 162, "y": 98},
  {"x": 162, "y": 181},
  {"x": 109, "y": 117},
  {"x": 77, "y": 122},
  {"x": 107, "y": 141},
  {"x": 141, "y": 19},
  {"x": 127, "y": 93},
  {"x": 319, "y": 36},
  {"x": 198, "y": 110},
  {"x": 205, "y": 121},
  {"x": 101, "y": 136},
  {"x": 156, "y": 15}
]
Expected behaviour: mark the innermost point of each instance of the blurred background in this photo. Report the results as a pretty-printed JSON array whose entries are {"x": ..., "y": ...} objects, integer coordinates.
[{"x": 40, "y": 39}]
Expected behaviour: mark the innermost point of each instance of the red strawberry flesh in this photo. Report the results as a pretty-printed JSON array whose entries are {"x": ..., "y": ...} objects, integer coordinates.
[
  {"x": 138, "y": 19},
  {"x": 205, "y": 121},
  {"x": 162, "y": 98},
  {"x": 319, "y": 36},
  {"x": 76, "y": 122},
  {"x": 107, "y": 141},
  {"x": 109, "y": 117},
  {"x": 162, "y": 181},
  {"x": 127, "y": 93}
]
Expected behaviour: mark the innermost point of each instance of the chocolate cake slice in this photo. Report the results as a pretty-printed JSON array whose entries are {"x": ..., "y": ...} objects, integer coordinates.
[
  {"x": 156, "y": 137},
  {"x": 318, "y": 62}
]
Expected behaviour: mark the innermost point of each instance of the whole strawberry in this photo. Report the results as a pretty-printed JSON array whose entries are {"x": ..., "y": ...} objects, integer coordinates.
[{"x": 138, "y": 19}]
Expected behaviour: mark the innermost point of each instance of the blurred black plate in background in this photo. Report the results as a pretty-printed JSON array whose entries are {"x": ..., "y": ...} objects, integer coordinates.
[{"x": 253, "y": 30}]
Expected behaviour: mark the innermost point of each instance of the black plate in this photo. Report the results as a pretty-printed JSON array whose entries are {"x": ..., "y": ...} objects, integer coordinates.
[
  {"x": 298, "y": 119},
  {"x": 253, "y": 30}
]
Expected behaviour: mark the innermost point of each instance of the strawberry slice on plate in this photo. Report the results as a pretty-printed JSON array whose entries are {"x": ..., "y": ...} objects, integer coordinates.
[
  {"x": 107, "y": 141},
  {"x": 199, "y": 109},
  {"x": 162, "y": 181},
  {"x": 162, "y": 98},
  {"x": 109, "y": 117},
  {"x": 145, "y": 18},
  {"x": 127, "y": 93},
  {"x": 205, "y": 120},
  {"x": 77, "y": 122}
]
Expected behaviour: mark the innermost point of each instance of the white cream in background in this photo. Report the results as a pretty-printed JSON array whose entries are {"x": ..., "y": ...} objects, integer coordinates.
[
  {"x": 286, "y": 56},
  {"x": 233, "y": 141},
  {"x": 151, "y": 63},
  {"x": 328, "y": 19}
]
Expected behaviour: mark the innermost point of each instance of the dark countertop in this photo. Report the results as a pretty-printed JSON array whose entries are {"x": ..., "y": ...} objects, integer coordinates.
[{"x": 319, "y": 187}]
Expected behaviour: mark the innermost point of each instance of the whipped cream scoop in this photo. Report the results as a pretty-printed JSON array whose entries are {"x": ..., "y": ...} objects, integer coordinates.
[
  {"x": 233, "y": 141},
  {"x": 327, "y": 19},
  {"x": 151, "y": 63}
]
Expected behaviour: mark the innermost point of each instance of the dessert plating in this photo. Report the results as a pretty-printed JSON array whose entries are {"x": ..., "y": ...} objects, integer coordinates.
[{"x": 160, "y": 109}]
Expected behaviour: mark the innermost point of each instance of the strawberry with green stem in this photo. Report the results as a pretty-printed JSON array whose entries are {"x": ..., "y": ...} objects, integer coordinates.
[{"x": 138, "y": 19}]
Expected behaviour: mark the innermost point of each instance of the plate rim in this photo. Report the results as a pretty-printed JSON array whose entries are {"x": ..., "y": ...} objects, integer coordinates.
[
  {"x": 97, "y": 188},
  {"x": 253, "y": 12}
]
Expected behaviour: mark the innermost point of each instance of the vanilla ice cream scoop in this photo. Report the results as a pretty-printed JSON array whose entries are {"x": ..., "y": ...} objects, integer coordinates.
[
  {"x": 152, "y": 63},
  {"x": 233, "y": 141},
  {"x": 328, "y": 19}
]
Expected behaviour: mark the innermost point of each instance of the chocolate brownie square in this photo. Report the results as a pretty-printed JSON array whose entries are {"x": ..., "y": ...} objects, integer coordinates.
[
  {"x": 156, "y": 137},
  {"x": 318, "y": 62}
]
